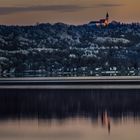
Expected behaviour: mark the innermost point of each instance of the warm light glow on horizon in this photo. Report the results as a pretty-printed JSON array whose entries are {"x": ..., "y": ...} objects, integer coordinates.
[{"x": 70, "y": 11}]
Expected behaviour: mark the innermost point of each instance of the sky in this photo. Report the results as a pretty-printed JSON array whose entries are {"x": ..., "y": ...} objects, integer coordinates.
[{"x": 25, "y": 12}]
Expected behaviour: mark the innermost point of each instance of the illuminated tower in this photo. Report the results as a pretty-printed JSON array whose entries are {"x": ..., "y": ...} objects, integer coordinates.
[{"x": 107, "y": 19}]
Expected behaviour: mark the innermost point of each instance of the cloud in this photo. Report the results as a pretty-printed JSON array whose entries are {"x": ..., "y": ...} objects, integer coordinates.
[
  {"x": 57, "y": 8},
  {"x": 109, "y": 5}
]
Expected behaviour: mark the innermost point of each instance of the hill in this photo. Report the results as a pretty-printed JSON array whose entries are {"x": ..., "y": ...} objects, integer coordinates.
[{"x": 68, "y": 50}]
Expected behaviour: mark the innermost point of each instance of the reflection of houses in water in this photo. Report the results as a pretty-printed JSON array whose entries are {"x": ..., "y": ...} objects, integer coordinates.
[
  {"x": 106, "y": 120},
  {"x": 101, "y": 22}
]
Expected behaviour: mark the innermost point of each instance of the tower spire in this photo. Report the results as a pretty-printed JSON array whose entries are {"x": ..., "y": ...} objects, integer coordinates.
[
  {"x": 107, "y": 19},
  {"x": 107, "y": 16}
]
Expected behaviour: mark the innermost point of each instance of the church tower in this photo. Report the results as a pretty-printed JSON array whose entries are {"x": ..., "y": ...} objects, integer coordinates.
[
  {"x": 107, "y": 19},
  {"x": 107, "y": 16}
]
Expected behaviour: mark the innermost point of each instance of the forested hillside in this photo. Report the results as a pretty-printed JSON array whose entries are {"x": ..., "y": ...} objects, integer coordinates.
[{"x": 68, "y": 50}]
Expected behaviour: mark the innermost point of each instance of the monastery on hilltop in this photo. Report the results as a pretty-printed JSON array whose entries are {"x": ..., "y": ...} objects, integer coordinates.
[{"x": 101, "y": 22}]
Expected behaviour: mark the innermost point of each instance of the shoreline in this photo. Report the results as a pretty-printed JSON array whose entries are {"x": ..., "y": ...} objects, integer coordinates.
[{"x": 118, "y": 82}]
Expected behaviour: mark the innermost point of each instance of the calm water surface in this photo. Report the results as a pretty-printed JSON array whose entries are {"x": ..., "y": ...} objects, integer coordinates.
[
  {"x": 69, "y": 115},
  {"x": 70, "y": 129}
]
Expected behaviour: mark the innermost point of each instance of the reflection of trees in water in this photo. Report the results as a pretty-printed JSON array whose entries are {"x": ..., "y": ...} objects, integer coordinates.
[{"x": 62, "y": 104}]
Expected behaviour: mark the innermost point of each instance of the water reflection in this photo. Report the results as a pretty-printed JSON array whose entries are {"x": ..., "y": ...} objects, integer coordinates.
[
  {"x": 105, "y": 118},
  {"x": 61, "y": 104},
  {"x": 69, "y": 129},
  {"x": 69, "y": 114}
]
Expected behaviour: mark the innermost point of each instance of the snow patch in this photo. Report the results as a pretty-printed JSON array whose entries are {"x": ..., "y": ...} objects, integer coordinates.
[{"x": 112, "y": 40}]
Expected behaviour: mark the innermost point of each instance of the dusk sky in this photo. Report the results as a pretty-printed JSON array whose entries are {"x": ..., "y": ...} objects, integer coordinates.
[{"x": 67, "y": 11}]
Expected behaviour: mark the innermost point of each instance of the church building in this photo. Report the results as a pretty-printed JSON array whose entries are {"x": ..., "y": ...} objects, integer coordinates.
[{"x": 101, "y": 22}]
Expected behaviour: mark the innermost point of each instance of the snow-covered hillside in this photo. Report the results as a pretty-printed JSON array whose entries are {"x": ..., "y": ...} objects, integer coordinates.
[{"x": 62, "y": 48}]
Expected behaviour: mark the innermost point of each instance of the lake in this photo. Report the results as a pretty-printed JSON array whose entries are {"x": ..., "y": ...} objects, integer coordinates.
[{"x": 69, "y": 114}]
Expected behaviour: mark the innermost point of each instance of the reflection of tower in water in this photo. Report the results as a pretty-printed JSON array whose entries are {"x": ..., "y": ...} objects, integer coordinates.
[{"x": 106, "y": 120}]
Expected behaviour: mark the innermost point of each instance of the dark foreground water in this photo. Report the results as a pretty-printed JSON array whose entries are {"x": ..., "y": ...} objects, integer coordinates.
[{"x": 69, "y": 114}]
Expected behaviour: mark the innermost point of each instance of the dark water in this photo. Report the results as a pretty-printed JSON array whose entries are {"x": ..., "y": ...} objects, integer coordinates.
[{"x": 70, "y": 114}]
